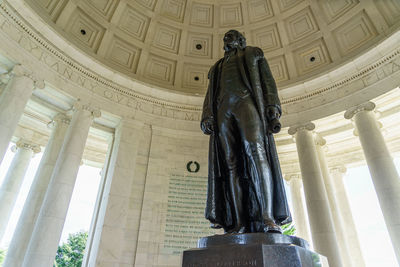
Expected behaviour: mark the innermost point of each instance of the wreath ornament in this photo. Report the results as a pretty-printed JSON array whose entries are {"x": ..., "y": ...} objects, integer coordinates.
[{"x": 190, "y": 168}]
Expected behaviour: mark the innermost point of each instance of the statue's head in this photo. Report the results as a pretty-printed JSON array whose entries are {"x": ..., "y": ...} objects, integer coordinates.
[{"x": 234, "y": 39}]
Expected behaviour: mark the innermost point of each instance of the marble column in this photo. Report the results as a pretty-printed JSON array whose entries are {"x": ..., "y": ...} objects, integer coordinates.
[
  {"x": 50, "y": 222},
  {"x": 117, "y": 228},
  {"x": 299, "y": 210},
  {"x": 89, "y": 249},
  {"x": 4, "y": 79},
  {"x": 12, "y": 103},
  {"x": 26, "y": 223},
  {"x": 343, "y": 203},
  {"x": 320, "y": 217},
  {"x": 11, "y": 185},
  {"x": 383, "y": 171},
  {"x": 336, "y": 216}
]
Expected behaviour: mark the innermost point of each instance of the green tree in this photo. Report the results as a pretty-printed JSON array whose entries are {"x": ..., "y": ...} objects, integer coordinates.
[
  {"x": 289, "y": 229},
  {"x": 70, "y": 254},
  {"x": 2, "y": 256}
]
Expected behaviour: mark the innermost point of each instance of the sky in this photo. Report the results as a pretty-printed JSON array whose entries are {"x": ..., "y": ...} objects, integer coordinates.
[{"x": 372, "y": 232}]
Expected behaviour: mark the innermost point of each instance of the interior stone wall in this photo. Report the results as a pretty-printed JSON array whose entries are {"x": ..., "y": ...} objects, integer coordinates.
[
  {"x": 169, "y": 184},
  {"x": 170, "y": 136}
]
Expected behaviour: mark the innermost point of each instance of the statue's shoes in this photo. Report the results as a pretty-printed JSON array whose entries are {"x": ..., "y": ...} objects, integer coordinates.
[
  {"x": 271, "y": 227},
  {"x": 215, "y": 226},
  {"x": 237, "y": 230}
]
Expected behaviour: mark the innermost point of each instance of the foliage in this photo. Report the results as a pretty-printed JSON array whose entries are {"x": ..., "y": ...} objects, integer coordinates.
[
  {"x": 289, "y": 229},
  {"x": 70, "y": 254},
  {"x": 2, "y": 256}
]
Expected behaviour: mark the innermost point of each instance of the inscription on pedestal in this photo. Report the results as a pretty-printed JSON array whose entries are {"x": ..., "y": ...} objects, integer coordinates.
[
  {"x": 231, "y": 263},
  {"x": 185, "y": 222}
]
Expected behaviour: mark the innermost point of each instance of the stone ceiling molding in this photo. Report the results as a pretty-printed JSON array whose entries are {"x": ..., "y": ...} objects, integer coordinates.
[
  {"x": 313, "y": 100},
  {"x": 267, "y": 38},
  {"x": 123, "y": 55},
  {"x": 333, "y": 10},
  {"x": 319, "y": 54},
  {"x": 301, "y": 25},
  {"x": 134, "y": 23},
  {"x": 76, "y": 74},
  {"x": 202, "y": 15},
  {"x": 105, "y": 8},
  {"x": 86, "y": 31},
  {"x": 311, "y": 37},
  {"x": 390, "y": 9},
  {"x": 382, "y": 68},
  {"x": 259, "y": 10},
  {"x": 354, "y": 33}
]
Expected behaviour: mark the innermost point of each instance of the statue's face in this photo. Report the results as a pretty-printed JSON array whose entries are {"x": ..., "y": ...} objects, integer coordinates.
[{"x": 231, "y": 40}]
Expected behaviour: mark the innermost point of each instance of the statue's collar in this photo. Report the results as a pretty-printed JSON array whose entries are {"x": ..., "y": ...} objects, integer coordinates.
[{"x": 230, "y": 53}]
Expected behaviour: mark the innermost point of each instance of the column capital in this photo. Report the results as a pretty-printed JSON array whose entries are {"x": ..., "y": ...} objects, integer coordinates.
[
  {"x": 5, "y": 77},
  {"x": 26, "y": 145},
  {"x": 291, "y": 176},
  {"x": 309, "y": 126},
  {"x": 60, "y": 118},
  {"x": 18, "y": 70},
  {"x": 319, "y": 140},
  {"x": 80, "y": 105},
  {"x": 367, "y": 106},
  {"x": 340, "y": 169},
  {"x": 39, "y": 84}
]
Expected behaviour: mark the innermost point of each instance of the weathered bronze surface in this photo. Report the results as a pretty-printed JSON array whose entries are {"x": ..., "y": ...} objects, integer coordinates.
[
  {"x": 241, "y": 111},
  {"x": 251, "y": 239},
  {"x": 254, "y": 249}
]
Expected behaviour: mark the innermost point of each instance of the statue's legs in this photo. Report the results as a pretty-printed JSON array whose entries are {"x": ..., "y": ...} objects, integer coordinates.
[
  {"x": 228, "y": 145},
  {"x": 228, "y": 139},
  {"x": 240, "y": 130},
  {"x": 252, "y": 139}
]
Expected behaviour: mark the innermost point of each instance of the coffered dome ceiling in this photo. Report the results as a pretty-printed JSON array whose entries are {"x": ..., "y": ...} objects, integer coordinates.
[{"x": 172, "y": 43}]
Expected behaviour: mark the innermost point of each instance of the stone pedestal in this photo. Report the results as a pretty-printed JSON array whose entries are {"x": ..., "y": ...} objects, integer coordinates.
[{"x": 256, "y": 249}]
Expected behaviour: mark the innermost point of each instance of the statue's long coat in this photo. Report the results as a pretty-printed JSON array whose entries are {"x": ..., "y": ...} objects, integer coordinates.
[{"x": 257, "y": 76}]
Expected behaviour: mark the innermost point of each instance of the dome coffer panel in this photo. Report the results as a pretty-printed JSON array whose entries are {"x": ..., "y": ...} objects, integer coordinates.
[{"x": 167, "y": 43}]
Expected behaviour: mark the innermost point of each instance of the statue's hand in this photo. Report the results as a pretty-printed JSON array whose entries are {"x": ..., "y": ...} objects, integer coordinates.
[
  {"x": 273, "y": 115},
  {"x": 207, "y": 126},
  {"x": 275, "y": 126}
]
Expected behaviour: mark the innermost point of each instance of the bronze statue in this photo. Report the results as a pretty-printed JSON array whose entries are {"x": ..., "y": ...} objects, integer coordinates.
[{"x": 241, "y": 111}]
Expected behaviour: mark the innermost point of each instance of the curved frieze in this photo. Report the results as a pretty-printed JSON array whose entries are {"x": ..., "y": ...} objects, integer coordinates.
[
  {"x": 379, "y": 70},
  {"x": 72, "y": 71},
  {"x": 309, "y": 105}
]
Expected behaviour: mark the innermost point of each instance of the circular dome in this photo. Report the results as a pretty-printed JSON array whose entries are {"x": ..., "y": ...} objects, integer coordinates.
[{"x": 172, "y": 43}]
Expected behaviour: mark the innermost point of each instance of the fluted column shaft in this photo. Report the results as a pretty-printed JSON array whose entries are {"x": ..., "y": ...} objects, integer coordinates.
[
  {"x": 322, "y": 228},
  {"x": 11, "y": 185},
  {"x": 12, "y": 103},
  {"x": 383, "y": 171},
  {"x": 299, "y": 210},
  {"x": 91, "y": 243},
  {"x": 26, "y": 223},
  {"x": 336, "y": 216},
  {"x": 347, "y": 216},
  {"x": 50, "y": 222},
  {"x": 122, "y": 189}
]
